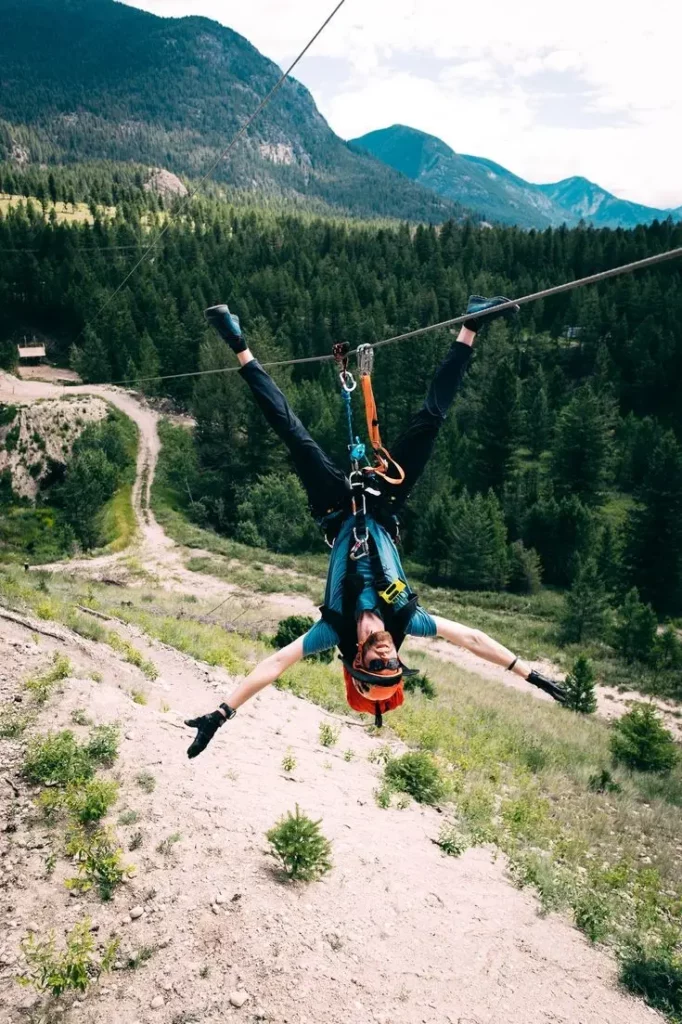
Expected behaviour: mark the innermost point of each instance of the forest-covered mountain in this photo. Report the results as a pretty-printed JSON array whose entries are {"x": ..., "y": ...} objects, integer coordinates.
[
  {"x": 495, "y": 192},
  {"x": 84, "y": 80}
]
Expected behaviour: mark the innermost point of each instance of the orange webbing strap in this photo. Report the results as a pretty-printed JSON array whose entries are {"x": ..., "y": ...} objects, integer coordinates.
[{"x": 383, "y": 458}]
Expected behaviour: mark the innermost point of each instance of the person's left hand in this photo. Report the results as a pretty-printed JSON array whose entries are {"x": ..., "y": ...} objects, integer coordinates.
[
  {"x": 555, "y": 690},
  {"x": 206, "y": 726}
]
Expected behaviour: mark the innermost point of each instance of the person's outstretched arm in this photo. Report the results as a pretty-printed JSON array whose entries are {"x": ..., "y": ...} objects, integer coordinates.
[
  {"x": 265, "y": 673},
  {"x": 485, "y": 647}
]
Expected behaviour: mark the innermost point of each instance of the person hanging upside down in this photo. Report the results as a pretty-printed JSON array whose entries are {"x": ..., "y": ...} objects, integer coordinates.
[{"x": 368, "y": 608}]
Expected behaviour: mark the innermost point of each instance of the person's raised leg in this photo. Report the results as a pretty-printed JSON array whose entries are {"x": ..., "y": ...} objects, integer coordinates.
[
  {"x": 413, "y": 448},
  {"x": 325, "y": 484}
]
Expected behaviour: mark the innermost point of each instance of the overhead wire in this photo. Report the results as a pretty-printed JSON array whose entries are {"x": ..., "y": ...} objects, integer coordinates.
[
  {"x": 221, "y": 156},
  {"x": 567, "y": 286}
]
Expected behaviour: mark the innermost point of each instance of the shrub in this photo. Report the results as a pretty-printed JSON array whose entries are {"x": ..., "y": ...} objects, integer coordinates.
[
  {"x": 419, "y": 684},
  {"x": 12, "y": 722},
  {"x": 128, "y": 817},
  {"x": 138, "y": 697},
  {"x": 92, "y": 801},
  {"x": 579, "y": 687},
  {"x": 146, "y": 781},
  {"x": 300, "y": 847},
  {"x": 42, "y": 686},
  {"x": 50, "y": 970},
  {"x": 57, "y": 759},
  {"x": 12, "y": 439},
  {"x": 292, "y": 628},
  {"x": 603, "y": 782},
  {"x": 289, "y": 762},
  {"x": 635, "y": 633},
  {"x": 416, "y": 773},
  {"x": 102, "y": 746},
  {"x": 166, "y": 845},
  {"x": 99, "y": 861},
  {"x": 328, "y": 734},
  {"x": 383, "y": 796},
  {"x": 656, "y": 976},
  {"x": 8, "y": 414},
  {"x": 591, "y": 916},
  {"x": 452, "y": 841},
  {"x": 640, "y": 741}
]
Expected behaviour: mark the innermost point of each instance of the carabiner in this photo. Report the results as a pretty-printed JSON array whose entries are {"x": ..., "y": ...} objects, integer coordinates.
[{"x": 347, "y": 381}]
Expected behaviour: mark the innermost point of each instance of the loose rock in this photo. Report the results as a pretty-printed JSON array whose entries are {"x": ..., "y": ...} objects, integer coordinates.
[
  {"x": 136, "y": 912},
  {"x": 238, "y": 998},
  {"x": 157, "y": 1002}
]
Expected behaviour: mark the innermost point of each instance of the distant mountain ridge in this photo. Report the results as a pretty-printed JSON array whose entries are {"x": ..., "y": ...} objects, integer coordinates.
[
  {"x": 84, "y": 80},
  {"x": 495, "y": 192}
]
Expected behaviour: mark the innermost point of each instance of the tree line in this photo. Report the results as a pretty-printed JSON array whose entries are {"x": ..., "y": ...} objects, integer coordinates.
[{"x": 563, "y": 454}]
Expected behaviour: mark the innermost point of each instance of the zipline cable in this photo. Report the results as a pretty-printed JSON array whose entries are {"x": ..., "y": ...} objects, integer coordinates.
[
  {"x": 221, "y": 156},
  {"x": 546, "y": 293}
]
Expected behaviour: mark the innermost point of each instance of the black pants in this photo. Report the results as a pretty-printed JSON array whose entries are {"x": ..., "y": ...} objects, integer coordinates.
[{"x": 325, "y": 484}]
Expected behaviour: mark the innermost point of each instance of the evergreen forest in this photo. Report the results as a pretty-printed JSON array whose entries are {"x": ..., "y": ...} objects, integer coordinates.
[{"x": 562, "y": 464}]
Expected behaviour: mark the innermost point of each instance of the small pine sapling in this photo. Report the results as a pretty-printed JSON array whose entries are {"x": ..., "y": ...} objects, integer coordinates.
[
  {"x": 300, "y": 847},
  {"x": 579, "y": 687}
]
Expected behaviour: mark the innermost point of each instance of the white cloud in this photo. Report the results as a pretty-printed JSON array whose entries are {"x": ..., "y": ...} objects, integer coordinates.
[{"x": 470, "y": 75}]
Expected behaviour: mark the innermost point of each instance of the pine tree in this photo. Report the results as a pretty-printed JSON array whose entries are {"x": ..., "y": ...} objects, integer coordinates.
[
  {"x": 579, "y": 687},
  {"x": 479, "y": 558},
  {"x": 582, "y": 450},
  {"x": 92, "y": 363},
  {"x": 498, "y": 424},
  {"x": 584, "y": 615},
  {"x": 654, "y": 534},
  {"x": 635, "y": 633}
]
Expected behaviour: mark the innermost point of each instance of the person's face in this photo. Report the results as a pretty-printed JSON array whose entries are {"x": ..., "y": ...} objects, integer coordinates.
[{"x": 379, "y": 645}]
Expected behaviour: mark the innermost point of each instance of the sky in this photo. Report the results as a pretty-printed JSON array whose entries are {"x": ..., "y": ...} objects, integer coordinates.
[{"x": 548, "y": 90}]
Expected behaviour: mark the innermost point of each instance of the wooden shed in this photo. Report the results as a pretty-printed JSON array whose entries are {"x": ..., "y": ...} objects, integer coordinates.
[{"x": 31, "y": 355}]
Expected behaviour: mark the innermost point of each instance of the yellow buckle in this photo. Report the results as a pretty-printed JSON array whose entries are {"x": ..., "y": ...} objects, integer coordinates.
[{"x": 393, "y": 591}]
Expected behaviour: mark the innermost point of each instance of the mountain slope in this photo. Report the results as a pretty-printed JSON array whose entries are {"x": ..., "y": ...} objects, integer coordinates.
[
  {"x": 497, "y": 193},
  {"x": 94, "y": 79},
  {"x": 480, "y": 184},
  {"x": 583, "y": 199}
]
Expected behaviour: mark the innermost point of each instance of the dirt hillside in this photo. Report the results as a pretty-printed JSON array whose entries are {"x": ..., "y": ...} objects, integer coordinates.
[
  {"x": 41, "y": 433},
  {"x": 398, "y": 933}
]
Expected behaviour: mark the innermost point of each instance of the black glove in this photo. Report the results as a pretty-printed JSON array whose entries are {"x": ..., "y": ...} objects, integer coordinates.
[
  {"x": 206, "y": 726},
  {"x": 548, "y": 685},
  {"x": 479, "y": 302}
]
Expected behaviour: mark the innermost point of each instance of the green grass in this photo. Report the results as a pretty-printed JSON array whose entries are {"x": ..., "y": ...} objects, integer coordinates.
[{"x": 519, "y": 773}]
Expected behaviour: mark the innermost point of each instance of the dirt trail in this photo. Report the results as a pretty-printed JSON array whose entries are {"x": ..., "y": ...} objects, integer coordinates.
[{"x": 398, "y": 933}]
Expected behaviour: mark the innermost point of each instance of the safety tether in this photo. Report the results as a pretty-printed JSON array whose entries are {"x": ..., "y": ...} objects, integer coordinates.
[
  {"x": 356, "y": 451},
  {"x": 384, "y": 463}
]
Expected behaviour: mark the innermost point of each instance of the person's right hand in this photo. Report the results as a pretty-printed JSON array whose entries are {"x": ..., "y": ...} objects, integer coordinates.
[
  {"x": 206, "y": 726},
  {"x": 477, "y": 303}
]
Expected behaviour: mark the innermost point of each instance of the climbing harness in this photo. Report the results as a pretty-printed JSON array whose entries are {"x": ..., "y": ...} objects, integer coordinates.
[
  {"x": 357, "y": 453},
  {"x": 384, "y": 464},
  {"x": 385, "y": 467}
]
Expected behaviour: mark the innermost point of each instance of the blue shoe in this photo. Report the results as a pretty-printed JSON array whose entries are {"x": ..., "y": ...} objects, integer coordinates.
[
  {"x": 477, "y": 303},
  {"x": 227, "y": 325}
]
